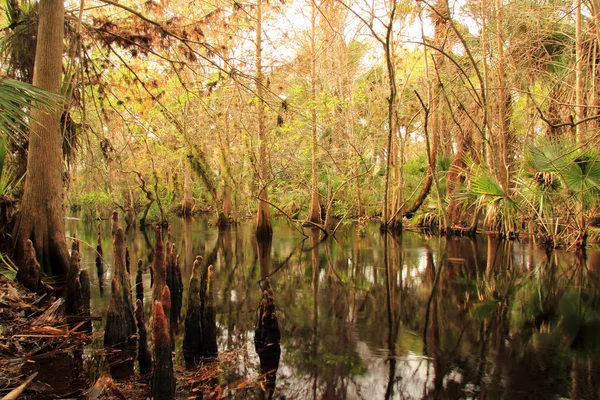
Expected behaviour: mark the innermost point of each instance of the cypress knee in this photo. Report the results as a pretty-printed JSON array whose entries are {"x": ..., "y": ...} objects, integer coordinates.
[
  {"x": 159, "y": 267},
  {"x": 163, "y": 381},
  {"x": 139, "y": 282},
  {"x": 267, "y": 337},
  {"x": 209, "y": 318},
  {"x": 127, "y": 261},
  {"x": 120, "y": 322},
  {"x": 73, "y": 297},
  {"x": 144, "y": 358},
  {"x": 165, "y": 300},
  {"x": 29, "y": 273},
  {"x": 192, "y": 341}
]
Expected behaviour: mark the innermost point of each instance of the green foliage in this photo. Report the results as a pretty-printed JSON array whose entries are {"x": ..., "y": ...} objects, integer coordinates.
[
  {"x": 7, "y": 268},
  {"x": 15, "y": 98},
  {"x": 483, "y": 309},
  {"x": 559, "y": 181},
  {"x": 92, "y": 205},
  {"x": 7, "y": 179},
  {"x": 483, "y": 189}
]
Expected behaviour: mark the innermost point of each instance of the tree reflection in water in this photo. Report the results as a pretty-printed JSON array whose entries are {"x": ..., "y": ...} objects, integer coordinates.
[
  {"x": 267, "y": 335},
  {"x": 406, "y": 317}
]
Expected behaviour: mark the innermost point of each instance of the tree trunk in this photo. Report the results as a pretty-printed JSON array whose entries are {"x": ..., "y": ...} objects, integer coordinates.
[
  {"x": 580, "y": 114},
  {"x": 263, "y": 215},
  {"x": 579, "y": 106},
  {"x": 42, "y": 215},
  {"x": 504, "y": 134},
  {"x": 314, "y": 214},
  {"x": 391, "y": 74},
  {"x": 187, "y": 192}
]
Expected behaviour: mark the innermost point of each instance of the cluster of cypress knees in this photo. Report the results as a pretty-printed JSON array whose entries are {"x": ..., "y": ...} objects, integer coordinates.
[{"x": 125, "y": 322}]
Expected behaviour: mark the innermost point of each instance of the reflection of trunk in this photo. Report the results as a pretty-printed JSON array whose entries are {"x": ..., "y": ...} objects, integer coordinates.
[
  {"x": 263, "y": 248},
  {"x": 392, "y": 314},
  {"x": 431, "y": 331},
  {"x": 267, "y": 338},
  {"x": 187, "y": 244},
  {"x": 100, "y": 261},
  {"x": 314, "y": 241}
]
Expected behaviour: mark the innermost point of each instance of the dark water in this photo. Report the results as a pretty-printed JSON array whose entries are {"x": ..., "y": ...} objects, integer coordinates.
[{"x": 407, "y": 317}]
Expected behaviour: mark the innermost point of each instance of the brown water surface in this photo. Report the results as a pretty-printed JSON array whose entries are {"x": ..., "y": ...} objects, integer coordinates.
[{"x": 370, "y": 316}]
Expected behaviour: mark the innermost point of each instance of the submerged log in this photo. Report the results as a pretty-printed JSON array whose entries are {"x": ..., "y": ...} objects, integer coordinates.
[
  {"x": 159, "y": 265},
  {"x": 163, "y": 381},
  {"x": 29, "y": 273},
  {"x": 139, "y": 282},
  {"x": 144, "y": 358}
]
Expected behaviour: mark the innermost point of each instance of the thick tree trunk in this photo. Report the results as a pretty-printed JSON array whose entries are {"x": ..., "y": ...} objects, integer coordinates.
[{"x": 42, "y": 215}]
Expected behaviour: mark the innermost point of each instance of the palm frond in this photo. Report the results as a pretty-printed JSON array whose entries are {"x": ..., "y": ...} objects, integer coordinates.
[
  {"x": 15, "y": 100},
  {"x": 2, "y": 153}
]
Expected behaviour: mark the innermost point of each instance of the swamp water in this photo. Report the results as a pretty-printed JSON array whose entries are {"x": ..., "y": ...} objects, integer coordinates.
[{"x": 365, "y": 315}]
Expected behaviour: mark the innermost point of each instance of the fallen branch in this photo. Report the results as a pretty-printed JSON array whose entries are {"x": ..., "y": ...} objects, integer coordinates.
[{"x": 18, "y": 391}]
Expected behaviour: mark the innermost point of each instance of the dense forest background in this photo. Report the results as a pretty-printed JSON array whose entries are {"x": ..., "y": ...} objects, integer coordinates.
[{"x": 460, "y": 116}]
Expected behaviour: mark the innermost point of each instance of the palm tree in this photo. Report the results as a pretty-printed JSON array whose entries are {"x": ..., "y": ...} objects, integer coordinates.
[{"x": 560, "y": 186}]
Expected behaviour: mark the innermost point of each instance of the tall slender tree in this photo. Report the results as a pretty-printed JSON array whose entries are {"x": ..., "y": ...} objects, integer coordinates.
[
  {"x": 263, "y": 216},
  {"x": 314, "y": 215},
  {"x": 42, "y": 216}
]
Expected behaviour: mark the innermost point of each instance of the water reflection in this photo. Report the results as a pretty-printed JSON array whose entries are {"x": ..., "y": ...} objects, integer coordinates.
[{"x": 403, "y": 317}]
